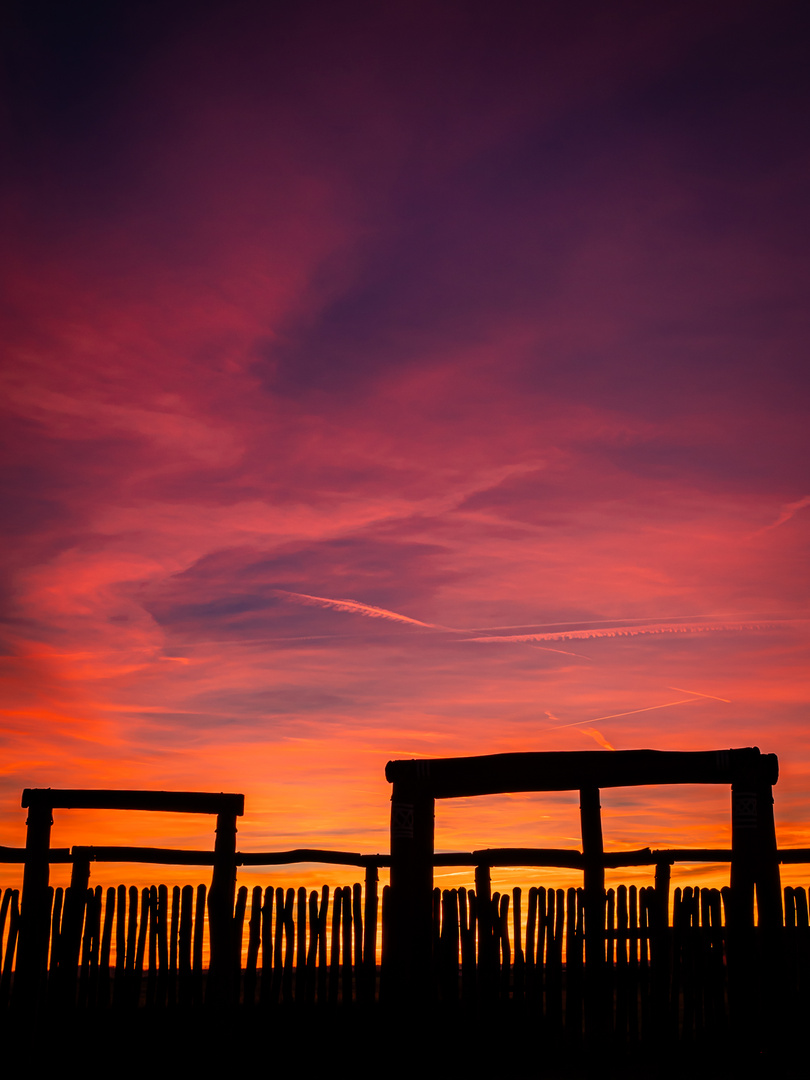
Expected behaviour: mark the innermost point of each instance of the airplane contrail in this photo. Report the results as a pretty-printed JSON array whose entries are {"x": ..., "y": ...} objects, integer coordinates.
[
  {"x": 355, "y": 607},
  {"x": 563, "y": 652},
  {"x": 714, "y": 697},
  {"x": 630, "y": 712},
  {"x": 649, "y": 708},
  {"x": 627, "y": 631}
]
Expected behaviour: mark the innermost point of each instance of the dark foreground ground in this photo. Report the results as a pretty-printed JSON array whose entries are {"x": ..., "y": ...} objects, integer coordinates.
[{"x": 358, "y": 1042}]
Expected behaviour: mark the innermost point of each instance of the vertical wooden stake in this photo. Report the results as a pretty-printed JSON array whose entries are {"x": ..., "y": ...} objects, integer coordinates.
[
  {"x": 663, "y": 876},
  {"x": 370, "y": 932},
  {"x": 487, "y": 942}
]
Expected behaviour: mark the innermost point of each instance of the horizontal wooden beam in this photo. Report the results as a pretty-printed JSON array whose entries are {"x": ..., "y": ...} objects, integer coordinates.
[
  {"x": 552, "y": 857},
  {"x": 494, "y": 774},
  {"x": 503, "y": 857},
  {"x": 177, "y": 802},
  {"x": 310, "y": 855},
  {"x": 164, "y": 856},
  {"x": 17, "y": 855},
  {"x": 795, "y": 855},
  {"x": 673, "y": 855}
]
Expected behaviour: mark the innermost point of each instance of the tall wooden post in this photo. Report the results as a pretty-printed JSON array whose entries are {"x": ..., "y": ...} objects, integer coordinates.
[
  {"x": 744, "y": 815},
  {"x": 768, "y": 881},
  {"x": 32, "y": 954},
  {"x": 771, "y": 986},
  {"x": 593, "y": 853},
  {"x": 660, "y": 952},
  {"x": 754, "y": 858},
  {"x": 412, "y": 830},
  {"x": 594, "y": 868},
  {"x": 220, "y": 908},
  {"x": 743, "y": 854},
  {"x": 742, "y": 966}
]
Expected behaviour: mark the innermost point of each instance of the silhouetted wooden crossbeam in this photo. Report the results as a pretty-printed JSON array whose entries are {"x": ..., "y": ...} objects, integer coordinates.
[
  {"x": 17, "y": 855},
  {"x": 161, "y": 856},
  {"x": 174, "y": 802}
]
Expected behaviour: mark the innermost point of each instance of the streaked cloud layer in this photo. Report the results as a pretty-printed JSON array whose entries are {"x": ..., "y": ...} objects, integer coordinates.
[{"x": 399, "y": 380}]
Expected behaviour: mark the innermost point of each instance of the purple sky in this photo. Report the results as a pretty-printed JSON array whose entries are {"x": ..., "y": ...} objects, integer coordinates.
[{"x": 476, "y": 315}]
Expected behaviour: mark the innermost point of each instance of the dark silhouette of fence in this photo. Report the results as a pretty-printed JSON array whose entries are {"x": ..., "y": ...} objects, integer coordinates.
[
  {"x": 630, "y": 965},
  {"x": 145, "y": 949}
]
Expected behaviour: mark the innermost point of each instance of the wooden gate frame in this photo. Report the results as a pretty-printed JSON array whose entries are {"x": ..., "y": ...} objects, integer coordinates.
[
  {"x": 418, "y": 783},
  {"x": 41, "y": 802}
]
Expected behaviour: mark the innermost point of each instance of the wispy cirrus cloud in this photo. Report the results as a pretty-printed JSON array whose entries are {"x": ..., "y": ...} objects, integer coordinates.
[{"x": 788, "y": 511}]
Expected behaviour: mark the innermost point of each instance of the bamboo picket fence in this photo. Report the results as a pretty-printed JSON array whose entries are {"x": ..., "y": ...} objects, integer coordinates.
[{"x": 130, "y": 948}]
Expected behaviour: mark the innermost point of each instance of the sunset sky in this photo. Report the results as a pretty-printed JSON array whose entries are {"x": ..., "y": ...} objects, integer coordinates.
[{"x": 397, "y": 380}]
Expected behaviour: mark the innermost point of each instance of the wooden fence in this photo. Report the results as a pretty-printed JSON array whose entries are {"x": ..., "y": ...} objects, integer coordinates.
[{"x": 129, "y": 948}]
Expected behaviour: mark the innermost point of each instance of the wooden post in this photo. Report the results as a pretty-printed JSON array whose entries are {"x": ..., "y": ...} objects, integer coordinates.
[
  {"x": 357, "y": 931},
  {"x": 323, "y": 913},
  {"x": 771, "y": 990},
  {"x": 370, "y": 932},
  {"x": 742, "y": 966},
  {"x": 72, "y": 923},
  {"x": 221, "y": 898},
  {"x": 289, "y": 944},
  {"x": 520, "y": 960},
  {"x": 659, "y": 944},
  {"x": 11, "y": 944},
  {"x": 185, "y": 932},
  {"x": 312, "y": 949},
  {"x": 663, "y": 876},
  {"x": 346, "y": 968},
  {"x": 334, "y": 950},
  {"x": 301, "y": 945},
  {"x": 412, "y": 810},
  {"x": 487, "y": 942},
  {"x": 593, "y": 853},
  {"x": 768, "y": 883},
  {"x": 594, "y": 868},
  {"x": 32, "y": 955},
  {"x": 744, "y": 815}
]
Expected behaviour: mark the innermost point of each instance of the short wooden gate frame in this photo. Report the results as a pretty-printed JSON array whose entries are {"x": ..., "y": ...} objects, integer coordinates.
[
  {"x": 41, "y": 802},
  {"x": 418, "y": 783}
]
